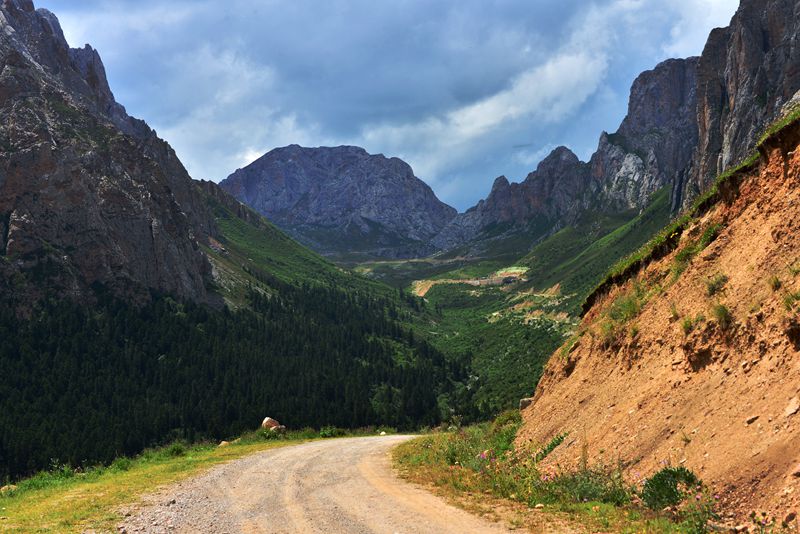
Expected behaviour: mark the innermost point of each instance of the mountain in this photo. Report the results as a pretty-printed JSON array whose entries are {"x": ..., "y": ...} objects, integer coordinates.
[
  {"x": 546, "y": 196},
  {"x": 652, "y": 148},
  {"x": 342, "y": 201},
  {"x": 88, "y": 195},
  {"x": 690, "y": 358},
  {"x": 746, "y": 73},
  {"x": 138, "y": 306},
  {"x": 687, "y": 121}
]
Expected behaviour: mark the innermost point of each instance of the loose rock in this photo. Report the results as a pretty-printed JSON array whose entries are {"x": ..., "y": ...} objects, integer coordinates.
[
  {"x": 792, "y": 408},
  {"x": 269, "y": 423}
]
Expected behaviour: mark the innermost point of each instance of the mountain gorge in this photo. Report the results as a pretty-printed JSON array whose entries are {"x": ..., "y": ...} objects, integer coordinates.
[{"x": 139, "y": 306}]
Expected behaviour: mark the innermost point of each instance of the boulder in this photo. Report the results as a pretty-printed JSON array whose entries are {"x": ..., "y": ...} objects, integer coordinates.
[
  {"x": 524, "y": 403},
  {"x": 269, "y": 423},
  {"x": 224, "y": 443},
  {"x": 280, "y": 429},
  {"x": 8, "y": 488}
]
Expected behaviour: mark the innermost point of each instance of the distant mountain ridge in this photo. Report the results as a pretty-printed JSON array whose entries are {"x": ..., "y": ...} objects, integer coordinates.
[
  {"x": 688, "y": 120},
  {"x": 343, "y": 201}
]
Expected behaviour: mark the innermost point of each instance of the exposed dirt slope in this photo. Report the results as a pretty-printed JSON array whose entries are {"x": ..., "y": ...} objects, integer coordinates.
[{"x": 723, "y": 402}]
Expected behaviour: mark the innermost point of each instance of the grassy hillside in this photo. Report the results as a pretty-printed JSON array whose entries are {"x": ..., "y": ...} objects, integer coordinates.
[
  {"x": 505, "y": 334},
  {"x": 578, "y": 257},
  {"x": 301, "y": 340}
]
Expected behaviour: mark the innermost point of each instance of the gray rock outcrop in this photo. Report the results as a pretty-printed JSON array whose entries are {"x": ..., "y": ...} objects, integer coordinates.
[{"x": 342, "y": 200}]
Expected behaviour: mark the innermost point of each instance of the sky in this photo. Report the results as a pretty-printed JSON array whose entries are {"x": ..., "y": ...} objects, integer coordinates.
[{"x": 463, "y": 90}]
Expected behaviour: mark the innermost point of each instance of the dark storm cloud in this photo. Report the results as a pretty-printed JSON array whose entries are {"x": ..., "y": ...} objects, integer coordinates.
[{"x": 463, "y": 90}]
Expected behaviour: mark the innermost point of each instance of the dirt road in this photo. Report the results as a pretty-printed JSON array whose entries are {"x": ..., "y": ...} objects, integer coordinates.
[{"x": 340, "y": 485}]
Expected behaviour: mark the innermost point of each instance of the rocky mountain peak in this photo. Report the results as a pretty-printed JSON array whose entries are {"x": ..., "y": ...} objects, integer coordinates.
[
  {"x": 88, "y": 195},
  {"x": 343, "y": 200},
  {"x": 501, "y": 182}
]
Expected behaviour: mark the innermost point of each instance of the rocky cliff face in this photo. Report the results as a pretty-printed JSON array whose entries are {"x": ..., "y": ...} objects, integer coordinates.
[
  {"x": 653, "y": 146},
  {"x": 688, "y": 120},
  {"x": 343, "y": 200},
  {"x": 546, "y": 197},
  {"x": 88, "y": 195},
  {"x": 746, "y": 73}
]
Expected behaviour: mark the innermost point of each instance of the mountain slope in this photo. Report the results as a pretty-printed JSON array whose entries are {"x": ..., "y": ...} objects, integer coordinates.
[
  {"x": 88, "y": 195},
  {"x": 342, "y": 201},
  {"x": 693, "y": 360}
]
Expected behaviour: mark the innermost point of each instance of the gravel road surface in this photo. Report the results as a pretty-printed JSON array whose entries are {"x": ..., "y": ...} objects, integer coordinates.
[{"x": 339, "y": 485}]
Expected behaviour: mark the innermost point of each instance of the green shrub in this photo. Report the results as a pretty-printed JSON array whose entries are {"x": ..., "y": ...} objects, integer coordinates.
[
  {"x": 790, "y": 300},
  {"x": 609, "y": 334},
  {"x": 122, "y": 463},
  {"x": 545, "y": 451},
  {"x": 668, "y": 487},
  {"x": 715, "y": 284},
  {"x": 331, "y": 432},
  {"x": 774, "y": 283},
  {"x": 626, "y": 307},
  {"x": 634, "y": 330},
  {"x": 723, "y": 316},
  {"x": 176, "y": 449},
  {"x": 598, "y": 484},
  {"x": 688, "y": 324},
  {"x": 508, "y": 417}
]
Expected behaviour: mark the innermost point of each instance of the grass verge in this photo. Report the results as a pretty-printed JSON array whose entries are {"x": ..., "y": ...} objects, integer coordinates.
[{"x": 481, "y": 460}]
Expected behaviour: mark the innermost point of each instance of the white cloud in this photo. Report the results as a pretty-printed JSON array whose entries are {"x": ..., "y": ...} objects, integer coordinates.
[
  {"x": 114, "y": 21},
  {"x": 226, "y": 92},
  {"x": 547, "y": 93},
  {"x": 689, "y": 32}
]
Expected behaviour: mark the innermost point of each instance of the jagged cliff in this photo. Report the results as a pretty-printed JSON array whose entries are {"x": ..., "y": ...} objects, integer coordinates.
[
  {"x": 746, "y": 73},
  {"x": 688, "y": 119},
  {"x": 694, "y": 361},
  {"x": 342, "y": 200},
  {"x": 88, "y": 195},
  {"x": 547, "y": 196},
  {"x": 651, "y": 149}
]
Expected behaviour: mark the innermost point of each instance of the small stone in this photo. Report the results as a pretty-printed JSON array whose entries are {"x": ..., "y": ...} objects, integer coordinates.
[
  {"x": 539, "y": 506},
  {"x": 790, "y": 517},
  {"x": 383, "y": 433},
  {"x": 269, "y": 423},
  {"x": 792, "y": 408},
  {"x": 7, "y": 488},
  {"x": 796, "y": 471},
  {"x": 741, "y": 528},
  {"x": 752, "y": 419},
  {"x": 524, "y": 403},
  {"x": 224, "y": 443}
]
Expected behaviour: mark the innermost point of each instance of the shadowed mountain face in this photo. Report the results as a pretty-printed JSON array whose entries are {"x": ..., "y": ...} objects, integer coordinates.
[
  {"x": 746, "y": 74},
  {"x": 88, "y": 195},
  {"x": 343, "y": 201}
]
